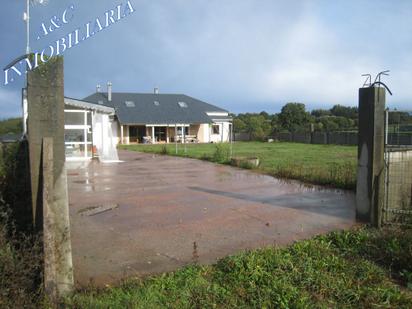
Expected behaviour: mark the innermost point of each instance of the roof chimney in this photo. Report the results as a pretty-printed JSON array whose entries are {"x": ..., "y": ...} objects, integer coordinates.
[
  {"x": 156, "y": 90},
  {"x": 109, "y": 91},
  {"x": 98, "y": 87}
]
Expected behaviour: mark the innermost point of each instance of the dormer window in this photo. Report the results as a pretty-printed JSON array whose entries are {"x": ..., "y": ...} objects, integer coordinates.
[
  {"x": 100, "y": 102},
  {"x": 130, "y": 104},
  {"x": 182, "y": 104},
  {"x": 156, "y": 103}
]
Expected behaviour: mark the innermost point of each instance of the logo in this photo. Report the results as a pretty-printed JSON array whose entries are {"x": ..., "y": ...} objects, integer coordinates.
[{"x": 31, "y": 61}]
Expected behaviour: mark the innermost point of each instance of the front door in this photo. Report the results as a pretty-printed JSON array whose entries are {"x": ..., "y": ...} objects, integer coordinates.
[
  {"x": 133, "y": 135},
  {"x": 160, "y": 134}
]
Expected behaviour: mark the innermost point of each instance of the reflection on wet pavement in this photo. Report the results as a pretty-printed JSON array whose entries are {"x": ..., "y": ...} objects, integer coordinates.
[{"x": 165, "y": 204}]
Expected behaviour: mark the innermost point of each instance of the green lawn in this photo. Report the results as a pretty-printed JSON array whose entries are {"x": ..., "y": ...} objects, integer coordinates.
[
  {"x": 318, "y": 164},
  {"x": 362, "y": 268},
  {"x": 12, "y": 125}
]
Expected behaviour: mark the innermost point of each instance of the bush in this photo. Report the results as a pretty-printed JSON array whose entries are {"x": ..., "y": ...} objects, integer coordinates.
[
  {"x": 20, "y": 254},
  {"x": 164, "y": 150},
  {"x": 221, "y": 153},
  {"x": 20, "y": 268},
  {"x": 15, "y": 185}
]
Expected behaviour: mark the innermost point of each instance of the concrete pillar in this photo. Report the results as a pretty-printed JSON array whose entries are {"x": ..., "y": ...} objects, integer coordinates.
[
  {"x": 176, "y": 138},
  {"x": 221, "y": 128},
  {"x": 370, "y": 179},
  {"x": 45, "y": 92}
]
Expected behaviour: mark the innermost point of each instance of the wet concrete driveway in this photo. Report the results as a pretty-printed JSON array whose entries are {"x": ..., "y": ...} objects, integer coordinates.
[{"x": 151, "y": 214}]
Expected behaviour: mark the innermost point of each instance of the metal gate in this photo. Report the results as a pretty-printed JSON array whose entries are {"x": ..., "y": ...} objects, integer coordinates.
[{"x": 397, "y": 207}]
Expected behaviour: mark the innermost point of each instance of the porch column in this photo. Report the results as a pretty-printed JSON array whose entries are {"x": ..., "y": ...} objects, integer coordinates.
[
  {"x": 167, "y": 135},
  {"x": 153, "y": 135},
  {"x": 183, "y": 135},
  {"x": 222, "y": 127},
  {"x": 121, "y": 135},
  {"x": 176, "y": 137}
]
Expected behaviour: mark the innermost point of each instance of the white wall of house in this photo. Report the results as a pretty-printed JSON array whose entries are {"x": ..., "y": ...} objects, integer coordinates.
[
  {"x": 123, "y": 129},
  {"x": 116, "y": 131},
  {"x": 104, "y": 139},
  {"x": 88, "y": 130},
  {"x": 203, "y": 133},
  {"x": 220, "y": 132}
]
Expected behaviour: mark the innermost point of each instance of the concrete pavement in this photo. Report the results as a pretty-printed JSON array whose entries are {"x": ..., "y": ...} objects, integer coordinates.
[{"x": 152, "y": 213}]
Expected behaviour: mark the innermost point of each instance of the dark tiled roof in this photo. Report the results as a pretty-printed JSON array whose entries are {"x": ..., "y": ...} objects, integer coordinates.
[{"x": 153, "y": 108}]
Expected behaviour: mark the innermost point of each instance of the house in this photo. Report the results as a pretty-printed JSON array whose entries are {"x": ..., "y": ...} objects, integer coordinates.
[
  {"x": 88, "y": 130},
  {"x": 99, "y": 122}
]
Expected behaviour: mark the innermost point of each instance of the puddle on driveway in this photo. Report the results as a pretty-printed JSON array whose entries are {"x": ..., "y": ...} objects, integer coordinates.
[
  {"x": 96, "y": 210},
  {"x": 83, "y": 182}
]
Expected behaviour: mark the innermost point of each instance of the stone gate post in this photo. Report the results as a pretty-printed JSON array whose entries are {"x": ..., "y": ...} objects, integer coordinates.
[
  {"x": 45, "y": 94},
  {"x": 370, "y": 177}
]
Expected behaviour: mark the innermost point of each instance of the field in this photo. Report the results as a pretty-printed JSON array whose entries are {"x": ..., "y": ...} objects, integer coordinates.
[
  {"x": 330, "y": 165},
  {"x": 12, "y": 125},
  {"x": 363, "y": 268}
]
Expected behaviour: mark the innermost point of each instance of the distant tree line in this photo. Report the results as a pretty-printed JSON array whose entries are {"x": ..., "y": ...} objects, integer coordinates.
[
  {"x": 11, "y": 126},
  {"x": 295, "y": 118}
]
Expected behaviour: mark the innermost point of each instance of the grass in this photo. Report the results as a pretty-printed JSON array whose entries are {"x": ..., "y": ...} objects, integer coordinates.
[
  {"x": 20, "y": 268},
  {"x": 331, "y": 165},
  {"x": 20, "y": 253},
  {"x": 363, "y": 268},
  {"x": 12, "y": 125}
]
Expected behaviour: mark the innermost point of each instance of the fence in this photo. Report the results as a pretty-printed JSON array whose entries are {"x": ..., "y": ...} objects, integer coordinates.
[
  {"x": 336, "y": 138},
  {"x": 398, "y": 168}
]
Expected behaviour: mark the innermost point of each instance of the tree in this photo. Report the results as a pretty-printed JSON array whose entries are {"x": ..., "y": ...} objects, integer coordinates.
[
  {"x": 294, "y": 117},
  {"x": 320, "y": 112},
  {"x": 275, "y": 124},
  {"x": 258, "y": 127},
  {"x": 344, "y": 111},
  {"x": 333, "y": 123},
  {"x": 12, "y": 125},
  {"x": 238, "y": 125}
]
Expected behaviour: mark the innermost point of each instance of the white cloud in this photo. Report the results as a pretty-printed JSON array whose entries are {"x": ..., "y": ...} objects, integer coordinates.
[{"x": 244, "y": 54}]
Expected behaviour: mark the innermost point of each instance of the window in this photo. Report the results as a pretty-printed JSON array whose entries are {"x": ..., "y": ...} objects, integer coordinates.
[
  {"x": 179, "y": 131},
  {"x": 215, "y": 129},
  {"x": 100, "y": 102},
  {"x": 156, "y": 103},
  {"x": 182, "y": 104},
  {"x": 130, "y": 104},
  {"x": 74, "y": 135},
  {"x": 74, "y": 118},
  {"x": 78, "y": 133}
]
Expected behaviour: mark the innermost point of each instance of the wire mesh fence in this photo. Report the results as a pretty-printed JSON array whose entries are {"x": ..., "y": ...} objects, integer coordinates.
[
  {"x": 399, "y": 128},
  {"x": 398, "y": 163}
]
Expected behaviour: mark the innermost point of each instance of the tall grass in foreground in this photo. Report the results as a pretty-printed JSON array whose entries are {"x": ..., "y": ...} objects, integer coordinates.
[
  {"x": 20, "y": 268},
  {"x": 20, "y": 254},
  {"x": 363, "y": 268},
  {"x": 330, "y": 165}
]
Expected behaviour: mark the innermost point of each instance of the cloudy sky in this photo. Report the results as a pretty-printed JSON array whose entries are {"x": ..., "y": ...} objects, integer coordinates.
[{"x": 243, "y": 55}]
